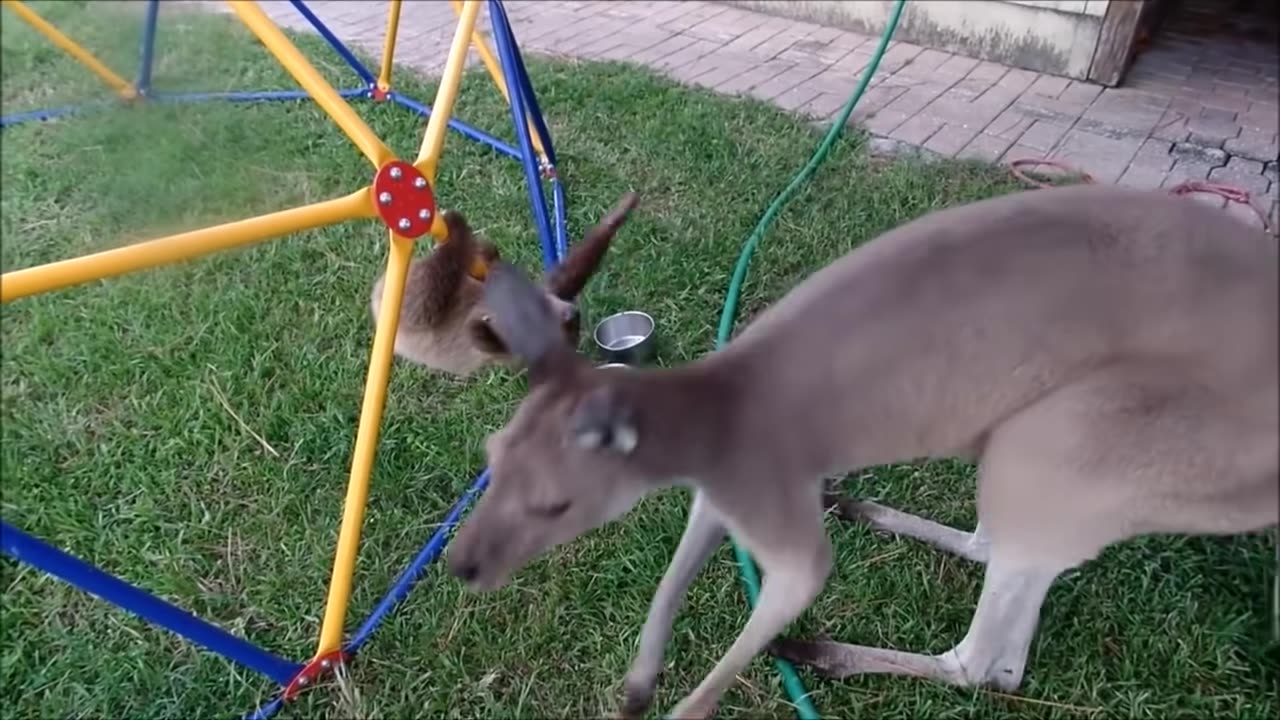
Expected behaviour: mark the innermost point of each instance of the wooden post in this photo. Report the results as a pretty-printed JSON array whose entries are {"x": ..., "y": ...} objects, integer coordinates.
[{"x": 1116, "y": 41}]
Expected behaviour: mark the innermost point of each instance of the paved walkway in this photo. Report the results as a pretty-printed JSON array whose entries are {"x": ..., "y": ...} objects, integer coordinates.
[{"x": 1197, "y": 109}]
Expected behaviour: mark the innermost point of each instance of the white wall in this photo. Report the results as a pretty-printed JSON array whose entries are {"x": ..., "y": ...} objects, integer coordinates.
[
  {"x": 1078, "y": 7},
  {"x": 1054, "y": 36}
]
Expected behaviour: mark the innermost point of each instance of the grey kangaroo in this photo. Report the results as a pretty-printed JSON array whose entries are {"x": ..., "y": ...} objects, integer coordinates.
[
  {"x": 443, "y": 322},
  {"x": 1108, "y": 357}
]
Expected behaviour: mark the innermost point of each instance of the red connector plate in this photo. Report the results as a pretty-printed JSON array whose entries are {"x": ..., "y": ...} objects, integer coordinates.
[
  {"x": 404, "y": 199},
  {"x": 311, "y": 672}
]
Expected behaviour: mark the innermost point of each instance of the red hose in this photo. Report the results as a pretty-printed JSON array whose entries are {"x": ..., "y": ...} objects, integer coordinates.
[{"x": 1230, "y": 192}]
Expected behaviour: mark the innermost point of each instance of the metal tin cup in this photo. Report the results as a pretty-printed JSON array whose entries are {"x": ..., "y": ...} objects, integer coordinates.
[{"x": 626, "y": 337}]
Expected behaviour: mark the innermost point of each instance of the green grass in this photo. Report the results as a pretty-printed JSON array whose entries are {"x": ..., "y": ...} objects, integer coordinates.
[{"x": 117, "y": 445}]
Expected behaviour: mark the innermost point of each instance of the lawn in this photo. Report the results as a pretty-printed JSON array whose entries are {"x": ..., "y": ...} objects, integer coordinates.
[{"x": 120, "y": 445}]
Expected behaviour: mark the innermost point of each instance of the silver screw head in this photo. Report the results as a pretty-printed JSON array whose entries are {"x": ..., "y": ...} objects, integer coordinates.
[
  {"x": 304, "y": 680},
  {"x": 420, "y": 182},
  {"x": 395, "y": 173},
  {"x": 404, "y": 223},
  {"x": 384, "y": 197},
  {"x": 424, "y": 214},
  {"x": 326, "y": 664}
]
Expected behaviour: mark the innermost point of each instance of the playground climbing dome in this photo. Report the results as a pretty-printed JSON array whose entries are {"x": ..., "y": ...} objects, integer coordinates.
[{"x": 401, "y": 194}]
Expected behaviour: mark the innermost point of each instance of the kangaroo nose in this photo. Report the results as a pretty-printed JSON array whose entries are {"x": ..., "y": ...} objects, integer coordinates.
[{"x": 465, "y": 572}]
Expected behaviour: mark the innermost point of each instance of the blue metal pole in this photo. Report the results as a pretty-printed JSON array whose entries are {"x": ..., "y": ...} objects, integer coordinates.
[
  {"x": 267, "y": 710},
  {"x": 561, "y": 222},
  {"x": 47, "y": 113},
  {"x": 251, "y": 96},
  {"x": 26, "y": 548},
  {"x": 526, "y": 86},
  {"x": 537, "y": 200},
  {"x": 411, "y": 574},
  {"x": 473, "y": 133},
  {"x": 148, "y": 47},
  {"x": 335, "y": 43},
  {"x": 540, "y": 124},
  {"x": 51, "y": 113}
]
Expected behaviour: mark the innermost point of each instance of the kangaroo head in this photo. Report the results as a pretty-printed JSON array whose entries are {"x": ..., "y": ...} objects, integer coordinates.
[
  {"x": 563, "y": 464},
  {"x": 564, "y": 282}
]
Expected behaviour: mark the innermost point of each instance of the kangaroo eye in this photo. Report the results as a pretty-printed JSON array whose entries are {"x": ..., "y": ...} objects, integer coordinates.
[{"x": 552, "y": 511}]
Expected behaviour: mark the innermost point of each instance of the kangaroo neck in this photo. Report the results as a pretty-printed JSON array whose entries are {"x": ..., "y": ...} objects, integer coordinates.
[{"x": 686, "y": 418}]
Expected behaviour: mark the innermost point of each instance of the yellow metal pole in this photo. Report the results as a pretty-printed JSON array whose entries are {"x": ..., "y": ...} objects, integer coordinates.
[
  {"x": 389, "y": 46},
  {"x": 161, "y": 251},
  {"x": 316, "y": 86},
  {"x": 375, "y": 394},
  {"x": 442, "y": 109},
  {"x": 447, "y": 93},
  {"x": 492, "y": 64},
  {"x": 122, "y": 87}
]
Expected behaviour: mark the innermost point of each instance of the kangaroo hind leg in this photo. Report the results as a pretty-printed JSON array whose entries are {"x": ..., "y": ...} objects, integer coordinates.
[
  {"x": 968, "y": 545},
  {"x": 1092, "y": 464}
]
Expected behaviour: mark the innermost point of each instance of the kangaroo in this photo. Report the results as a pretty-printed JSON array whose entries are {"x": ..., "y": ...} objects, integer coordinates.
[
  {"x": 1108, "y": 357},
  {"x": 443, "y": 323}
]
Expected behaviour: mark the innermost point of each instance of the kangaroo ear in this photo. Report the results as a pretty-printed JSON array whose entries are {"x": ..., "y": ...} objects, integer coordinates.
[
  {"x": 568, "y": 278},
  {"x": 604, "y": 420},
  {"x": 519, "y": 314}
]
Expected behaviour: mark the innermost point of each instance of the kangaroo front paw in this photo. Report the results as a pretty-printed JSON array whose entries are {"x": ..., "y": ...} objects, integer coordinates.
[
  {"x": 635, "y": 702},
  {"x": 637, "y": 694}
]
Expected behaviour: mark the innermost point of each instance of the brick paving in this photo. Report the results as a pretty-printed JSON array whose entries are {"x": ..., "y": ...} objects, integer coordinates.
[{"x": 1197, "y": 105}]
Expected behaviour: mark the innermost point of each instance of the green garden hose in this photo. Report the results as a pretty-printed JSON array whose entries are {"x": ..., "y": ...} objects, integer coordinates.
[{"x": 746, "y": 566}]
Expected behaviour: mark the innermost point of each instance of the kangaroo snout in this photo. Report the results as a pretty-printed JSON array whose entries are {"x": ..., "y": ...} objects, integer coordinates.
[
  {"x": 476, "y": 561},
  {"x": 464, "y": 570},
  {"x": 463, "y": 565}
]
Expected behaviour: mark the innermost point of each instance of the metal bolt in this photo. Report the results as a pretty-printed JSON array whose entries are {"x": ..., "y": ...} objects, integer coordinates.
[
  {"x": 394, "y": 173},
  {"x": 326, "y": 664},
  {"x": 404, "y": 223},
  {"x": 419, "y": 182},
  {"x": 384, "y": 197},
  {"x": 424, "y": 214},
  {"x": 304, "y": 681}
]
